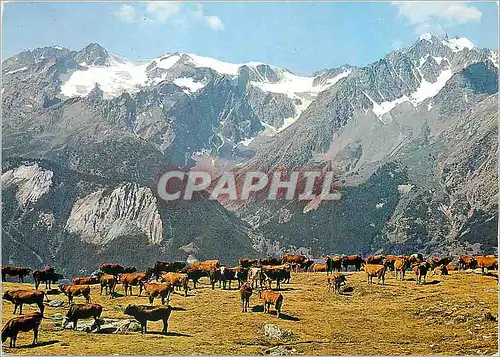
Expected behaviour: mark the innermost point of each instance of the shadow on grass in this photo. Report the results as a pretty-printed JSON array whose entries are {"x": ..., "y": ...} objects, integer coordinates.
[
  {"x": 175, "y": 334},
  {"x": 433, "y": 282},
  {"x": 283, "y": 316},
  {"x": 176, "y": 308},
  {"x": 39, "y": 344}
]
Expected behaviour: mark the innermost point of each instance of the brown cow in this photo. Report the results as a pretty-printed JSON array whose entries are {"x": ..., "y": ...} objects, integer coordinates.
[
  {"x": 437, "y": 260},
  {"x": 467, "y": 262},
  {"x": 355, "y": 260},
  {"x": 334, "y": 282},
  {"x": 46, "y": 275},
  {"x": 375, "y": 270},
  {"x": 211, "y": 269},
  {"x": 333, "y": 263},
  {"x": 270, "y": 297},
  {"x": 390, "y": 260},
  {"x": 248, "y": 262},
  {"x": 116, "y": 269},
  {"x": 179, "y": 280},
  {"x": 245, "y": 293},
  {"x": 451, "y": 267},
  {"x": 489, "y": 262},
  {"x": 20, "y": 297},
  {"x": 22, "y": 323},
  {"x": 20, "y": 272},
  {"x": 375, "y": 259},
  {"x": 296, "y": 260},
  {"x": 75, "y": 290},
  {"x": 319, "y": 267},
  {"x": 128, "y": 280},
  {"x": 441, "y": 270},
  {"x": 414, "y": 258},
  {"x": 108, "y": 283},
  {"x": 400, "y": 266},
  {"x": 83, "y": 311},
  {"x": 143, "y": 314},
  {"x": 87, "y": 280},
  {"x": 421, "y": 270},
  {"x": 167, "y": 267},
  {"x": 195, "y": 274},
  {"x": 271, "y": 261},
  {"x": 154, "y": 290}
]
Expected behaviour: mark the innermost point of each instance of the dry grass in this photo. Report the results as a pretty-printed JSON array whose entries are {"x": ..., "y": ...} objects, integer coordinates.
[{"x": 449, "y": 316}]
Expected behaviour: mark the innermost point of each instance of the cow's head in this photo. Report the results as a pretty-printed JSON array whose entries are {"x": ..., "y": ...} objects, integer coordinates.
[{"x": 7, "y": 295}]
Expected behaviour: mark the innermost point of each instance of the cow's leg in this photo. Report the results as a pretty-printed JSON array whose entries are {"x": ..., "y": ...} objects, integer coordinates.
[
  {"x": 41, "y": 307},
  {"x": 20, "y": 309},
  {"x": 165, "y": 326},
  {"x": 75, "y": 322},
  {"x": 87, "y": 297},
  {"x": 35, "y": 336},
  {"x": 13, "y": 340}
]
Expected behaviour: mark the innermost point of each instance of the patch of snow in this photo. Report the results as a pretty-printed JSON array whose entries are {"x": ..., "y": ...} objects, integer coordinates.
[
  {"x": 426, "y": 36},
  {"x": 338, "y": 77},
  {"x": 385, "y": 107},
  {"x": 58, "y": 47},
  {"x": 493, "y": 57},
  {"x": 438, "y": 59},
  {"x": 17, "y": 70},
  {"x": 458, "y": 44},
  {"x": 120, "y": 76},
  {"x": 428, "y": 90},
  {"x": 189, "y": 83},
  {"x": 405, "y": 188},
  {"x": 380, "y": 205},
  {"x": 429, "y": 106},
  {"x": 166, "y": 62},
  {"x": 247, "y": 142},
  {"x": 216, "y": 65}
]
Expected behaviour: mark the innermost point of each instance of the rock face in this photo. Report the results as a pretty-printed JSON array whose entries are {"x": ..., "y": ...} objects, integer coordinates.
[
  {"x": 86, "y": 134},
  {"x": 99, "y": 218}
]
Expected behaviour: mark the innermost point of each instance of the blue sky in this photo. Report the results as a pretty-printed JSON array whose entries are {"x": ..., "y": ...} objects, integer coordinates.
[{"x": 303, "y": 37}]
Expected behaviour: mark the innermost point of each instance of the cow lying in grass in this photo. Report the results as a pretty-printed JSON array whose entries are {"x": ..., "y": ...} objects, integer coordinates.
[
  {"x": 23, "y": 323},
  {"x": 83, "y": 311},
  {"x": 20, "y": 297},
  {"x": 270, "y": 297},
  {"x": 143, "y": 314}
]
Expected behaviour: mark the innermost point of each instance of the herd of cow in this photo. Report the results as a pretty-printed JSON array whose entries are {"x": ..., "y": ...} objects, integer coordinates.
[{"x": 161, "y": 281}]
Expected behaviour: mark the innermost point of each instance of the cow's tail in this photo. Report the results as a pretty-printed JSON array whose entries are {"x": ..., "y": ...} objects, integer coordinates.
[
  {"x": 279, "y": 303},
  {"x": 5, "y": 331}
]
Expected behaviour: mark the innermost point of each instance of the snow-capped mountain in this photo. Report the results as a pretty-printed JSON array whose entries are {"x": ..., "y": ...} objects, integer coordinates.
[{"x": 114, "y": 124}]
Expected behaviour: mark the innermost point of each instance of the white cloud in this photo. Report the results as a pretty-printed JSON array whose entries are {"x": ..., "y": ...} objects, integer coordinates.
[
  {"x": 176, "y": 12},
  {"x": 127, "y": 13},
  {"x": 433, "y": 16},
  {"x": 215, "y": 23},
  {"x": 162, "y": 10}
]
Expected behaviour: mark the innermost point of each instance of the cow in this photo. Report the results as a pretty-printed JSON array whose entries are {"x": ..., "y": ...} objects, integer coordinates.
[
  {"x": 154, "y": 290},
  {"x": 375, "y": 259},
  {"x": 143, "y": 314},
  {"x": 271, "y": 261},
  {"x": 333, "y": 263},
  {"x": 245, "y": 293},
  {"x": 87, "y": 280},
  {"x": 441, "y": 270},
  {"x": 400, "y": 266},
  {"x": 242, "y": 275},
  {"x": 46, "y": 275},
  {"x": 248, "y": 263},
  {"x": 270, "y": 297},
  {"x": 295, "y": 260},
  {"x": 390, "y": 260},
  {"x": 179, "y": 280},
  {"x": 319, "y": 268},
  {"x": 108, "y": 283},
  {"x": 436, "y": 261},
  {"x": 451, "y": 267},
  {"x": 20, "y": 272},
  {"x": 334, "y": 282},
  {"x": 20, "y": 297},
  {"x": 115, "y": 269},
  {"x": 228, "y": 275},
  {"x": 254, "y": 277},
  {"x": 489, "y": 262},
  {"x": 22, "y": 323},
  {"x": 167, "y": 267},
  {"x": 375, "y": 270},
  {"x": 128, "y": 280},
  {"x": 276, "y": 273},
  {"x": 75, "y": 290},
  {"x": 415, "y": 258},
  {"x": 194, "y": 274},
  {"x": 421, "y": 270},
  {"x": 211, "y": 269},
  {"x": 83, "y": 311},
  {"x": 307, "y": 264},
  {"x": 355, "y": 260},
  {"x": 467, "y": 262}
]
